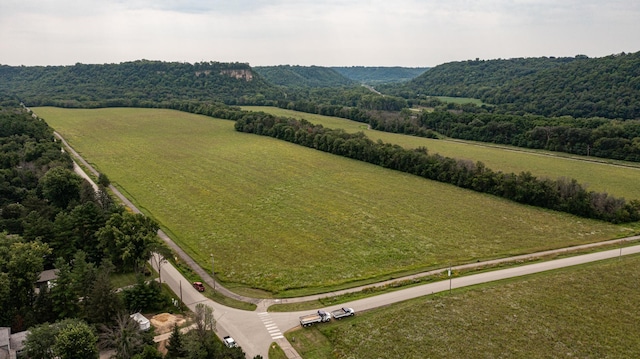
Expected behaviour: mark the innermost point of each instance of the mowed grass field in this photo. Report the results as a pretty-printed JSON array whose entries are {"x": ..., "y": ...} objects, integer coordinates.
[
  {"x": 617, "y": 180},
  {"x": 588, "y": 311},
  {"x": 291, "y": 220}
]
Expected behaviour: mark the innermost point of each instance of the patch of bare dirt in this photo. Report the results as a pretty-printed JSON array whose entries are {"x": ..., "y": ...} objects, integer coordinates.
[{"x": 164, "y": 322}]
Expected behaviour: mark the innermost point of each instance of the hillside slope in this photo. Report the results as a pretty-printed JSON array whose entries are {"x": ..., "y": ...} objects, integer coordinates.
[
  {"x": 302, "y": 76},
  {"x": 605, "y": 87},
  {"x": 127, "y": 83},
  {"x": 474, "y": 77},
  {"x": 579, "y": 86}
]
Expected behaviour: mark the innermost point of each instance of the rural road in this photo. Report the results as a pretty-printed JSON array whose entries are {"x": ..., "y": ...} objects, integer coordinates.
[{"x": 256, "y": 330}]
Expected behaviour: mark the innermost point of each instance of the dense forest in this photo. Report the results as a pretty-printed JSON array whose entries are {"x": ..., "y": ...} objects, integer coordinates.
[
  {"x": 600, "y": 87},
  {"x": 473, "y": 78},
  {"x": 129, "y": 83},
  {"x": 606, "y": 87},
  {"x": 302, "y": 76},
  {"x": 598, "y": 137}
]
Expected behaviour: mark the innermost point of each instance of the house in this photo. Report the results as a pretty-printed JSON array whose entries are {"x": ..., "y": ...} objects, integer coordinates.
[
  {"x": 46, "y": 279},
  {"x": 144, "y": 323},
  {"x": 11, "y": 344}
]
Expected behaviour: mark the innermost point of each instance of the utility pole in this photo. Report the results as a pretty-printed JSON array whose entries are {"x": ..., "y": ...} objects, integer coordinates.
[
  {"x": 213, "y": 273},
  {"x": 449, "y": 278}
]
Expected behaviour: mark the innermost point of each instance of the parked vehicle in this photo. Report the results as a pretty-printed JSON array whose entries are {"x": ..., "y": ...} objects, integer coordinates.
[
  {"x": 229, "y": 342},
  {"x": 310, "y": 319},
  {"x": 342, "y": 312},
  {"x": 198, "y": 286}
]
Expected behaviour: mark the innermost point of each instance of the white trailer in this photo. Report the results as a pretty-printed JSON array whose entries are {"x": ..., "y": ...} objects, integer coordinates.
[
  {"x": 310, "y": 319},
  {"x": 342, "y": 312}
]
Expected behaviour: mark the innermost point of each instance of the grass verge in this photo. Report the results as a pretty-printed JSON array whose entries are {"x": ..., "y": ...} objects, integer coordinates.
[
  {"x": 275, "y": 352},
  {"x": 582, "y": 311}
]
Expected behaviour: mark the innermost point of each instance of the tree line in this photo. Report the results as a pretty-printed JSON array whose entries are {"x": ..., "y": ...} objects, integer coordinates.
[
  {"x": 565, "y": 195},
  {"x": 598, "y": 137}
]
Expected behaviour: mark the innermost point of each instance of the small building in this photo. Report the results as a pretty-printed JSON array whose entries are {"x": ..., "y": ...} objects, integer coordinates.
[
  {"x": 46, "y": 278},
  {"x": 144, "y": 323},
  {"x": 11, "y": 344}
]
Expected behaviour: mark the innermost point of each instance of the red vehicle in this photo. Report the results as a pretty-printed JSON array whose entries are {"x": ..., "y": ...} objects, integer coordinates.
[{"x": 198, "y": 286}]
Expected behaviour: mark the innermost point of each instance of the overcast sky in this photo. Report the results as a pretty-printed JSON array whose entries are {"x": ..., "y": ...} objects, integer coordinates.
[{"x": 413, "y": 33}]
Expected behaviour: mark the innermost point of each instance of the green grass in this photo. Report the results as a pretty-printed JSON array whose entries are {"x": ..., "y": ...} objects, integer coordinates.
[
  {"x": 614, "y": 177},
  {"x": 292, "y": 220},
  {"x": 121, "y": 280},
  {"x": 588, "y": 311},
  {"x": 275, "y": 352}
]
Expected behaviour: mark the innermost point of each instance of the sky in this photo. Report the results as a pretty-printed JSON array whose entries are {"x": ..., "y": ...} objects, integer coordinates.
[{"x": 410, "y": 33}]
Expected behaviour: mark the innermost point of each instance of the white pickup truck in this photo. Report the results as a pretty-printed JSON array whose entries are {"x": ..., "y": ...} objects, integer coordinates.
[
  {"x": 342, "y": 312},
  {"x": 310, "y": 319}
]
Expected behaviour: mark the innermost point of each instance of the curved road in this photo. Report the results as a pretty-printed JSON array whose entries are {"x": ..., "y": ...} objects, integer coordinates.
[{"x": 255, "y": 331}]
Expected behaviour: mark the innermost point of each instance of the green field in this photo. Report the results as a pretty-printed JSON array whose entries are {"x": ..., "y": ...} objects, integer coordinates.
[
  {"x": 292, "y": 220},
  {"x": 588, "y": 311},
  {"x": 619, "y": 179}
]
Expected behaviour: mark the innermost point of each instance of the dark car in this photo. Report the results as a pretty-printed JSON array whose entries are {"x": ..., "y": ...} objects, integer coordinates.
[{"x": 198, "y": 286}]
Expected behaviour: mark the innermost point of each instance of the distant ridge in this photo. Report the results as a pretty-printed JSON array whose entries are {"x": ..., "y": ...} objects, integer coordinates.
[
  {"x": 303, "y": 76},
  {"x": 126, "y": 83},
  {"x": 380, "y": 75}
]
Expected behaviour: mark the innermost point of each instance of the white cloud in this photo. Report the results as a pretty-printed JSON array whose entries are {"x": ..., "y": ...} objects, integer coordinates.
[{"x": 328, "y": 32}]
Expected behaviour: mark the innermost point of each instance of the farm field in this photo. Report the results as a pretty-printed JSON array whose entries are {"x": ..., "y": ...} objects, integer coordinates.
[
  {"x": 588, "y": 311},
  {"x": 291, "y": 220},
  {"x": 620, "y": 181}
]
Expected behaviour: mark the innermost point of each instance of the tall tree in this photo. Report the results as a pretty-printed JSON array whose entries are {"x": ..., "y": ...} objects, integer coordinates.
[
  {"x": 129, "y": 239},
  {"x": 102, "y": 303},
  {"x": 40, "y": 341},
  {"x": 175, "y": 345},
  {"x": 26, "y": 262},
  {"x": 204, "y": 320},
  {"x": 76, "y": 341},
  {"x": 84, "y": 275},
  {"x": 61, "y": 186},
  {"x": 124, "y": 337},
  {"x": 64, "y": 298}
]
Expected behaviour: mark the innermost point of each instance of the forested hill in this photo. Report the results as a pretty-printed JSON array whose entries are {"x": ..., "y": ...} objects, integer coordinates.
[
  {"x": 128, "y": 83},
  {"x": 606, "y": 87},
  {"x": 302, "y": 76},
  {"x": 578, "y": 86},
  {"x": 380, "y": 75},
  {"x": 474, "y": 78}
]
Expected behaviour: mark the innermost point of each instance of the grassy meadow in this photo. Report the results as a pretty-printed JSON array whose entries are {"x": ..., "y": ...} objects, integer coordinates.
[
  {"x": 291, "y": 220},
  {"x": 588, "y": 311},
  {"x": 618, "y": 179}
]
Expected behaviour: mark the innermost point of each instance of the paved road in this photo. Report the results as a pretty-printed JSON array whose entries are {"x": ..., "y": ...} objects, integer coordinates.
[{"x": 255, "y": 331}]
